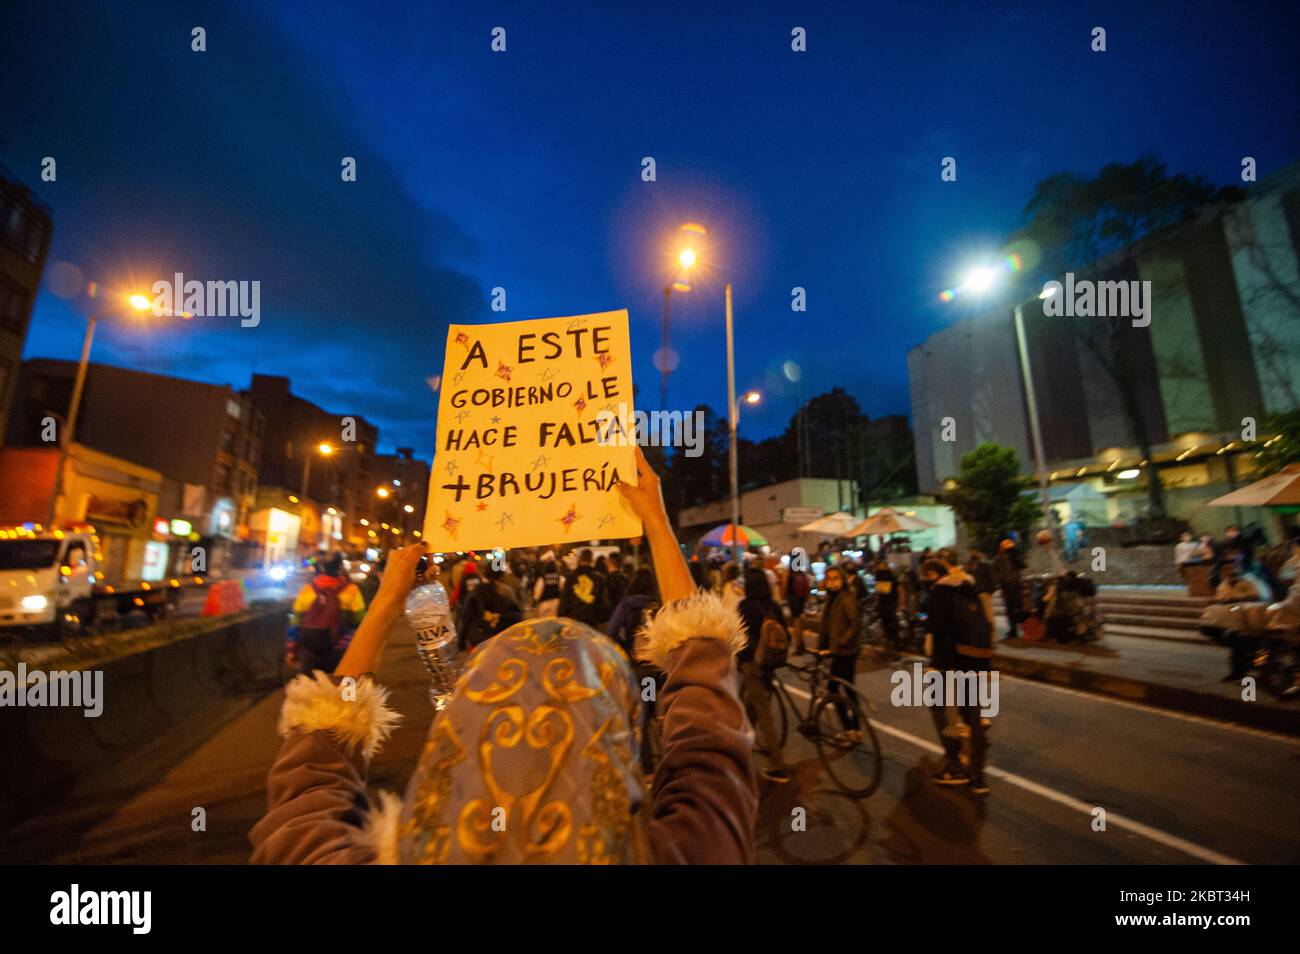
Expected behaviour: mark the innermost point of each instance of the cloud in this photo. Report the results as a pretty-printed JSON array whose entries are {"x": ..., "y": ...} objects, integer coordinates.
[{"x": 223, "y": 165}]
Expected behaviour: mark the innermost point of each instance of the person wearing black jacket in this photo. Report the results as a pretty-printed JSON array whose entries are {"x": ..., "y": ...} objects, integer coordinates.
[
  {"x": 887, "y": 605},
  {"x": 585, "y": 598},
  {"x": 756, "y": 608},
  {"x": 490, "y": 608},
  {"x": 960, "y": 643},
  {"x": 1007, "y": 566}
]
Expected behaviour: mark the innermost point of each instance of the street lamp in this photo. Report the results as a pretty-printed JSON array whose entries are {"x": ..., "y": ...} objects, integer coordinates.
[
  {"x": 980, "y": 280},
  {"x": 687, "y": 256},
  {"x": 138, "y": 302}
]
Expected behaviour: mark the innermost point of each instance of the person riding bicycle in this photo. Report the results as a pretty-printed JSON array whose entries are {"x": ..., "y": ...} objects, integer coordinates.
[
  {"x": 756, "y": 609},
  {"x": 841, "y": 630}
]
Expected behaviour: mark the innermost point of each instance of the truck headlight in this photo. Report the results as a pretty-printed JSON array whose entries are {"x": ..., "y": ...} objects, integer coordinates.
[{"x": 34, "y": 603}]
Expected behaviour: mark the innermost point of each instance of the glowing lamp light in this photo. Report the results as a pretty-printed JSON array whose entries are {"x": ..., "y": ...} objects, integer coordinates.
[
  {"x": 981, "y": 279},
  {"x": 382, "y": 492},
  {"x": 687, "y": 257},
  {"x": 753, "y": 397},
  {"x": 140, "y": 303},
  {"x": 1129, "y": 474},
  {"x": 325, "y": 449}
]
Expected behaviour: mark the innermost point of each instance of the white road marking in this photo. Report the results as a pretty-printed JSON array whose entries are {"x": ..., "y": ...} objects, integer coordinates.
[
  {"x": 1146, "y": 707},
  {"x": 1207, "y": 855}
]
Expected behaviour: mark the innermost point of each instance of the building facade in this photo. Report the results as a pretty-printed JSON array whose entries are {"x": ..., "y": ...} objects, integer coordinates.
[
  {"x": 338, "y": 487},
  {"x": 205, "y": 440},
  {"x": 1222, "y": 351},
  {"x": 26, "y": 228}
]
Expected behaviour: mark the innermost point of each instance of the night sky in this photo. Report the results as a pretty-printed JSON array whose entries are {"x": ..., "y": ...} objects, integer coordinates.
[{"x": 522, "y": 170}]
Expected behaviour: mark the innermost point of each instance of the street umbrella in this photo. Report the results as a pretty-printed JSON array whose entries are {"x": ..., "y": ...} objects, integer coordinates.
[
  {"x": 723, "y": 537},
  {"x": 1279, "y": 490},
  {"x": 836, "y": 524},
  {"x": 888, "y": 520}
]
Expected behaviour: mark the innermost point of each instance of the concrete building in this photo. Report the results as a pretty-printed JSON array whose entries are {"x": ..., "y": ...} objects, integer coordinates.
[
  {"x": 25, "y": 231},
  {"x": 404, "y": 480},
  {"x": 343, "y": 481},
  {"x": 1222, "y": 349},
  {"x": 118, "y": 497},
  {"x": 205, "y": 440}
]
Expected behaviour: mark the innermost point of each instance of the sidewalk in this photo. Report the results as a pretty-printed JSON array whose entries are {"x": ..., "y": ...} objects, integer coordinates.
[
  {"x": 1169, "y": 674},
  {"x": 142, "y": 810}
]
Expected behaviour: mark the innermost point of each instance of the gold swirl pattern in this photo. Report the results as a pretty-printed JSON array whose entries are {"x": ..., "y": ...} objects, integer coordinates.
[{"x": 555, "y": 777}]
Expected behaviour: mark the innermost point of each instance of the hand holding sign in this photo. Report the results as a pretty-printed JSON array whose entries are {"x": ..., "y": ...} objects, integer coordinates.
[{"x": 532, "y": 434}]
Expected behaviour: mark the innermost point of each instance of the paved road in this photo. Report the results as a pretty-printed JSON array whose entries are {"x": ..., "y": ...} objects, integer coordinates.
[{"x": 1175, "y": 789}]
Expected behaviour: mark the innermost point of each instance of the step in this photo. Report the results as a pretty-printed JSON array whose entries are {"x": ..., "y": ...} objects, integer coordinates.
[{"x": 1149, "y": 619}]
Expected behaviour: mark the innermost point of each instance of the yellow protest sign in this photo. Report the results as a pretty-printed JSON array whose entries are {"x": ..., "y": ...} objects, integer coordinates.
[{"x": 526, "y": 452}]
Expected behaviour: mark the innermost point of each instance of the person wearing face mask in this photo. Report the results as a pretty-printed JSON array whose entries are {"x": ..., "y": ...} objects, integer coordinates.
[
  {"x": 540, "y": 734},
  {"x": 841, "y": 629}
]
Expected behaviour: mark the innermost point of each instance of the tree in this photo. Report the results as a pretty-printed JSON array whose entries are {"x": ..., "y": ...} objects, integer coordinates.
[
  {"x": 1285, "y": 450},
  {"x": 1078, "y": 222},
  {"x": 989, "y": 498}
]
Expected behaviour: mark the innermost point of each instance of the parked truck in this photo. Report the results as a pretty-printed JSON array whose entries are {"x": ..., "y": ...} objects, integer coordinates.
[{"x": 52, "y": 580}]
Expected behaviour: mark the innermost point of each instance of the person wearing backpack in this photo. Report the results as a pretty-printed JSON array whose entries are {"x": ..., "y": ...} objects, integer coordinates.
[
  {"x": 324, "y": 616},
  {"x": 766, "y": 646},
  {"x": 961, "y": 642},
  {"x": 547, "y": 589},
  {"x": 490, "y": 608}
]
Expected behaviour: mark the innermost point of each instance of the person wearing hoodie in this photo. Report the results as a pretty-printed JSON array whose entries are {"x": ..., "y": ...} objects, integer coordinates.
[
  {"x": 548, "y": 692},
  {"x": 323, "y": 618},
  {"x": 585, "y": 597},
  {"x": 961, "y": 642}
]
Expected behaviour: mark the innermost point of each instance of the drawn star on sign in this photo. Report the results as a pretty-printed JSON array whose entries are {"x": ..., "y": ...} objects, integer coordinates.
[
  {"x": 503, "y": 371},
  {"x": 604, "y": 358},
  {"x": 570, "y": 517},
  {"x": 451, "y": 467},
  {"x": 580, "y": 404},
  {"x": 540, "y": 462},
  {"x": 478, "y": 459},
  {"x": 607, "y": 519},
  {"x": 547, "y": 374},
  {"x": 481, "y": 506},
  {"x": 450, "y": 524},
  {"x": 461, "y": 415},
  {"x": 577, "y": 323},
  {"x": 458, "y": 377},
  {"x": 495, "y": 419},
  {"x": 504, "y": 519},
  {"x": 462, "y": 339}
]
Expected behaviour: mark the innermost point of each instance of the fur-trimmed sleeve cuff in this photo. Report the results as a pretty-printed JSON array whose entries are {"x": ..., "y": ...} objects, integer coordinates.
[
  {"x": 699, "y": 616},
  {"x": 318, "y": 704}
]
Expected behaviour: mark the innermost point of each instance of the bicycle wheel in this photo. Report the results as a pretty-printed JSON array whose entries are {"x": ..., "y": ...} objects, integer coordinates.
[
  {"x": 853, "y": 763},
  {"x": 780, "y": 719}
]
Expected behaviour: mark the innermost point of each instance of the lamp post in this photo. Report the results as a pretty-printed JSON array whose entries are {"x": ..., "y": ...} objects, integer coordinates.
[
  {"x": 138, "y": 302},
  {"x": 686, "y": 259},
  {"x": 981, "y": 280},
  {"x": 750, "y": 397}
]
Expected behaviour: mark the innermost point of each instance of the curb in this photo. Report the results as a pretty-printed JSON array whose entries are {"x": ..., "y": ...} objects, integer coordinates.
[{"x": 1274, "y": 718}]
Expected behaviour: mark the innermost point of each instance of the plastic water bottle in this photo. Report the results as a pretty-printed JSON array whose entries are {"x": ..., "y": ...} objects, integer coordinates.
[{"x": 428, "y": 610}]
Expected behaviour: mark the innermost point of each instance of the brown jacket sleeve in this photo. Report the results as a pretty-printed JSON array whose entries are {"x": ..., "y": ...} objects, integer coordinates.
[
  {"x": 316, "y": 790},
  {"x": 316, "y": 804},
  {"x": 704, "y": 802}
]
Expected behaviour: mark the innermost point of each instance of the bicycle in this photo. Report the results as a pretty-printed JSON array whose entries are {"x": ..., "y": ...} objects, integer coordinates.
[{"x": 852, "y": 760}]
